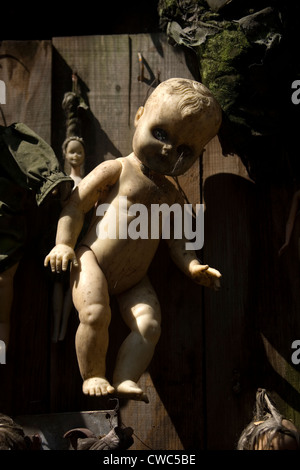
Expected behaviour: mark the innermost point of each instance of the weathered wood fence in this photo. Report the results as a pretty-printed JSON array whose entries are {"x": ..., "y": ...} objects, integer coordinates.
[{"x": 215, "y": 348}]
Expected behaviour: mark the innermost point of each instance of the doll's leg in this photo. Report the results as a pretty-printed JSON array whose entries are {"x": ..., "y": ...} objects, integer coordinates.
[
  {"x": 91, "y": 300},
  {"x": 140, "y": 310},
  {"x": 6, "y": 296}
]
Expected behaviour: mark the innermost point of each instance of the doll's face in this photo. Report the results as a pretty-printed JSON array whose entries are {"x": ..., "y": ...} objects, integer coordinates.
[
  {"x": 164, "y": 141},
  {"x": 75, "y": 153}
]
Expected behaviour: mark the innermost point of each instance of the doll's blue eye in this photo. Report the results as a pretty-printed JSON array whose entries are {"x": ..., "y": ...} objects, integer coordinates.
[{"x": 160, "y": 134}]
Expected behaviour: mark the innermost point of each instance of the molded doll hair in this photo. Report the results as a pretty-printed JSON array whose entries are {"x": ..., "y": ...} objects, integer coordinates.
[
  {"x": 194, "y": 98},
  {"x": 267, "y": 422}
]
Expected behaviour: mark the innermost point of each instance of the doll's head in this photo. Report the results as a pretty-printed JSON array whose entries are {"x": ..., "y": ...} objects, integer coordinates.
[
  {"x": 74, "y": 151},
  {"x": 179, "y": 118},
  {"x": 268, "y": 430}
]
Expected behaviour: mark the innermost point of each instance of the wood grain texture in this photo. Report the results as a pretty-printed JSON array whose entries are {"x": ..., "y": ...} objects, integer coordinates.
[{"x": 26, "y": 68}]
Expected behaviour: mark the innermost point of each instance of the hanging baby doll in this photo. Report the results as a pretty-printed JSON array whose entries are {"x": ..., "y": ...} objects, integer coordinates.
[
  {"x": 179, "y": 118},
  {"x": 268, "y": 430}
]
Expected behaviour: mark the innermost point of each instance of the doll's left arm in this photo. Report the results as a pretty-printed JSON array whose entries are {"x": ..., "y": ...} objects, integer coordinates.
[
  {"x": 187, "y": 260},
  {"x": 188, "y": 263}
]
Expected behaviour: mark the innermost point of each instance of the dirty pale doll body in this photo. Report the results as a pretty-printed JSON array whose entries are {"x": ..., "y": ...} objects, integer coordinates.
[{"x": 178, "y": 120}]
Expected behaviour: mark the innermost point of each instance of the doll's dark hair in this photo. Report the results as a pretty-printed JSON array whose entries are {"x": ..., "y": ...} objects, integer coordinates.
[
  {"x": 71, "y": 105},
  {"x": 267, "y": 421}
]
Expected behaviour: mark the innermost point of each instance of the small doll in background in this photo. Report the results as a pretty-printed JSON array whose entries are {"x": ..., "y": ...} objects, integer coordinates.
[
  {"x": 74, "y": 155},
  {"x": 73, "y": 147},
  {"x": 268, "y": 430}
]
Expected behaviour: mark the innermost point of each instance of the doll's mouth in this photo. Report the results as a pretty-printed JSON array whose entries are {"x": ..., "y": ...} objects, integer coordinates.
[
  {"x": 162, "y": 165},
  {"x": 147, "y": 171}
]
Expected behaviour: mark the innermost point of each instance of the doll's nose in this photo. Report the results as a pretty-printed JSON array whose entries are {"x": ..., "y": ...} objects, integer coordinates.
[{"x": 166, "y": 150}]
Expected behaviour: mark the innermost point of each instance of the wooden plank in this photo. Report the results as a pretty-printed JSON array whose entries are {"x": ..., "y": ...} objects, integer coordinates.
[
  {"x": 251, "y": 323},
  {"x": 26, "y": 72},
  {"x": 229, "y": 245},
  {"x": 176, "y": 369},
  {"x": 278, "y": 299}
]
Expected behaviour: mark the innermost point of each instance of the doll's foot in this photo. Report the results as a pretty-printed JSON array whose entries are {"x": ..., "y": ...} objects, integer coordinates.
[
  {"x": 97, "y": 386},
  {"x": 129, "y": 389}
]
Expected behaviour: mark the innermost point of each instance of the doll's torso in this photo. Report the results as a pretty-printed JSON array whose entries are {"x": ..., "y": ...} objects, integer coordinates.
[{"x": 122, "y": 244}]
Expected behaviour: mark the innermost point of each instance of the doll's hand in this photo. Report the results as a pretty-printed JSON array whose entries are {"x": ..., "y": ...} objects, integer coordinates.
[
  {"x": 206, "y": 276},
  {"x": 59, "y": 258}
]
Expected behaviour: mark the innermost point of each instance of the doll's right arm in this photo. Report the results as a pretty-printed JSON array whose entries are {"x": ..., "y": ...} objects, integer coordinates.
[{"x": 84, "y": 197}]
